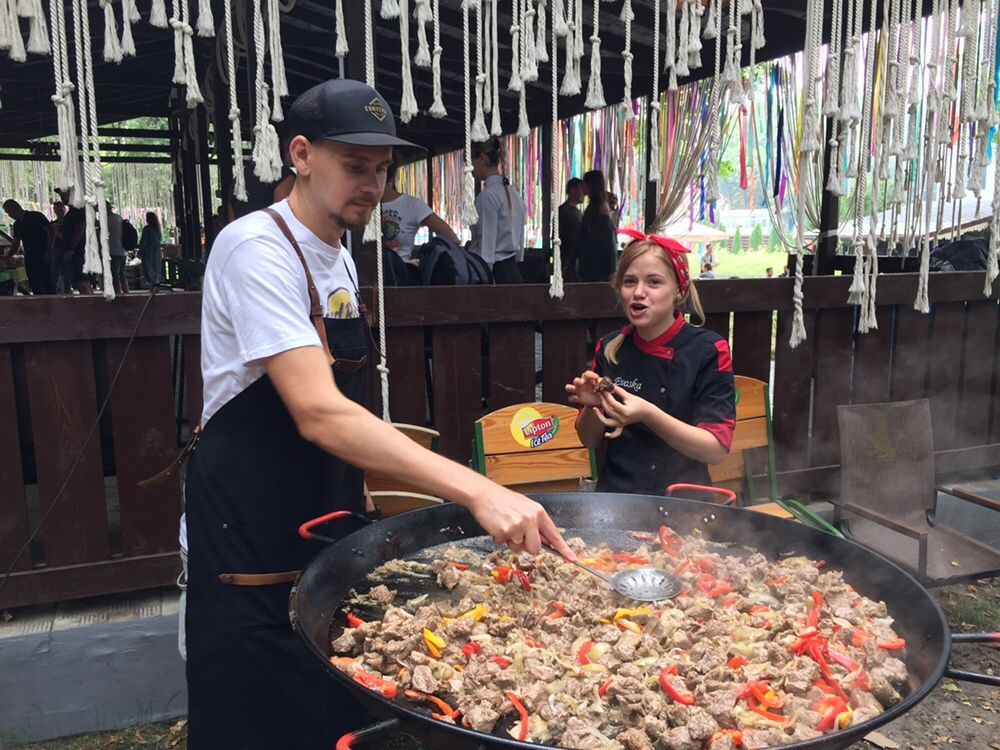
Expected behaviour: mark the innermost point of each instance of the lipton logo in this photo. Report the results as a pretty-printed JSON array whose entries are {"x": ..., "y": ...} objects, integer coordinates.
[
  {"x": 376, "y": 110},
  {"x": 531, "y": 429}
]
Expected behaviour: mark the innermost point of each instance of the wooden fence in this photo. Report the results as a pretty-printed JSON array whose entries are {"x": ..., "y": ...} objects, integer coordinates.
[{"x": 453, "y": 354}]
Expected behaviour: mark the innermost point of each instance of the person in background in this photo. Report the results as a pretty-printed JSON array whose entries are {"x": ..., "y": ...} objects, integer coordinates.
[
  {"x": 57, "y": 262},
  {"x": 706, "y": 271},
  {"x": 709, "y": 256},
  {"x": 672, "y": 411},
  {"x": 769, "y": 272},
  {"x": 117, "y": 251},
  {"x": 149, "y": 250},
  {"x": 498, "y": 234},
  {"x": 31, "y": 234},
  {"x": 130, "y": 237},
  {"x": 75, "y": 245},
  {"x": 570, "y": 226},
  {"x": 598, "y": 249},
  {"x": 784, "y": 273},
  {"x": 402, "y": 217}
]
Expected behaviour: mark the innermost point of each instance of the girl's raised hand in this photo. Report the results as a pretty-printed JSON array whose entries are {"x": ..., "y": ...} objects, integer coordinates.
[{"x": 583, "y": 390}]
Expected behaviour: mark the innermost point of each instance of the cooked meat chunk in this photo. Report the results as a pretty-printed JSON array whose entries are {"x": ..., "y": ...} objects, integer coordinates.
[
  {"x": 481, "y": 718},
  {"x": 423, "y": 679},
  {"x": 635, "y": 739},
  {"x": 448, "y": 577},
  {"x": 700, "y": 724},
  {"x": 382, "y": 594},
  {"x": 679, "y": 738}
]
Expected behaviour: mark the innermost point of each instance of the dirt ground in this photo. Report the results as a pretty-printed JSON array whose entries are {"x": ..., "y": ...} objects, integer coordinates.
[{"x": 963, "y": 715}]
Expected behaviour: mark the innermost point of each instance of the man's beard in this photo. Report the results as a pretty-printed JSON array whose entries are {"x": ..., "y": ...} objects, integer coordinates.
[{"x": 353, "y": 225}]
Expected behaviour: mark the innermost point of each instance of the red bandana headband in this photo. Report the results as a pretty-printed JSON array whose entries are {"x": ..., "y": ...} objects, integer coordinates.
[{"x": 675, "y": 252}]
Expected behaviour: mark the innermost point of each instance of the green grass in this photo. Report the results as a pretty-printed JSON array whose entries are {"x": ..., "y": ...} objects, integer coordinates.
[
  {"x": 151, "y": 736},
  {"x": 746, "y": 265}
]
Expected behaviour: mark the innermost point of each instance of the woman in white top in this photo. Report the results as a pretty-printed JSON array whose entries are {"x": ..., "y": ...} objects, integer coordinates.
[
  {"x": 498, "y": 235},
  {"x": 402, "y": 217}
]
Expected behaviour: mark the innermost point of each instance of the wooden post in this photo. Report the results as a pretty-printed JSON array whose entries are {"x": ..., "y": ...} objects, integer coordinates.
[{"x": 829, "y": 218}]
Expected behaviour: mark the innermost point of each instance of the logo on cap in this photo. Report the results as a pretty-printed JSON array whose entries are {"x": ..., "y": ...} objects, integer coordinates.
[{"x": 376, "y": 110}]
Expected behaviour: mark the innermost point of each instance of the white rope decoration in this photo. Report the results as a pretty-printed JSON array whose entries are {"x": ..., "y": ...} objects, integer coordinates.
[
  {"x": 595, "y": 90},
  {"x": 849, "y": 108},
  {"x": 571, "y": 83},
  {"x": 731, "y": 71},
  {"x": 541, "y": 51},
  {"x": 390, "y": 10},
  {"x": 175, "y": 24},
  {"x": 158, "y": 14},
  {"x": 193, "y": 94},
  {"x": 831, "y": 107},
  {"x": 654, "y": 103},
  {"x": 493, "y": 75},
  {"x": 715, "y": 108},
  {"x": 130, "y": 14},
  {"x": 206, "y": 21},
  {"x": 992, "y": 270},
  {"x": 869, "y": 259},
  {"x": 814, "y": 26},
  {"x": 529, "y": 55},
  {"x": 236, "y": 133},
  {"x": 469, "y": 213},
  {"x": 479, "y": 133},
  {"x": 527, "y": 40},
  {"x": 516, "y": 82},
  {"x": 97, "y": 258},
  {"x": 627, "y": 17},
  {"x": 694, "y": 34},
  {"x": 921, "y": 302},
  {"x": 408, "y": 104},
  {"x": 112, "y": 47},
  {"x": 12, "y": 39},
  {"x": 670, "y": 44},
  {"x": 342, "y": 47},
  {"x": 681, "y": 61},
  {"x": 38, "y": 32},
  {"x": 437, "y": 107},
  {"x": 422, "y": 13},
  {"x": 560, "y": 27},
  {"x": 279, "y": 84},
  {"x": 490, "y": 51},
  {"x": 757, "y": 38},
  {"x": 68, "y": 176},
  {"x": 556, "y": 290},
  {"x": 266, "y": 152},
  {"x": 373, "y": 230}
]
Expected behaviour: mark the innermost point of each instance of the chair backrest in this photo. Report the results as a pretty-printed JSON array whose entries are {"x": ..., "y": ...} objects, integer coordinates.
[
  {"x": 533, "y": 447},
  {"x": 887, "y": 457},
  {"x": 753, "y": 430},
  {"x": 423, "y": 436}
]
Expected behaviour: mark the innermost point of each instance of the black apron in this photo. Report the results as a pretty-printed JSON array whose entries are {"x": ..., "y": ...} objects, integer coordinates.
[{"x": 251, "y": 481}]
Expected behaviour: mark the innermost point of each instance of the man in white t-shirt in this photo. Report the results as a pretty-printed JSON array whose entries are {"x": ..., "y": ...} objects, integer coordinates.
[{"x": 281, "y": 435}]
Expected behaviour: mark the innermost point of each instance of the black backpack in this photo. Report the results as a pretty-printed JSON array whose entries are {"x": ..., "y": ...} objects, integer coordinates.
[
  {"x": 967, "y": 254},
  {"x": 443, "y": 263}
]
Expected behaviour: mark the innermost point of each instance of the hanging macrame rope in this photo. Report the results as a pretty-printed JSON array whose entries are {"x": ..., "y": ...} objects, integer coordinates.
[
  {"x": 571, "y": 78},
  {"x": 97, "y": 258},
  {"x": 529, "y": 55},
  {"x": 112, "y": 46},
  {"x": 654, "y": 106},
  {"x": 342, "y": 47},
  {"x": 38, "y": 32},
  {"x": 422, "y": 14},
  {"x": 523, "y": 129},
  {"x": 595, "y": 90},
  {"x": 437, "y": 107},
  {"x": 279, "y": 84},
  {"x": 921, "y": 302},
  {"x": 130, "y": 14},
  {"x": 68, "y": 176},
  {"x": 266, "y": 151},
  {"x": 390, "y": 10},
  {"x": 715, "y": 110},
  {"x": 479, "y": 133},
  {"x": 10, "y": 35},
  {"x": 694, "y": 34},
  {"x": 206, "y": 21},
  {"x": 556, "y": 289},
  {"x": 627, "y": 17},
  {"x": 515, "y": 83},
  {"x": 814, "y": 26},
  {"x": 991, "y": 257},
  {"x": 490, "y": 51},
  {"x": 541, "y": 51},
  {"x": 469, "y": 213},
  {"x": 408, "y": 103},
  {"x": 496, "y": 126},
  {"x": 158, "y": 14},
  {"x": 235, "y": 130}
]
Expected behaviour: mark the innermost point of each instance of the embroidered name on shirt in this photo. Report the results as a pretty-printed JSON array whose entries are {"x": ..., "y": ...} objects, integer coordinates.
[{"x": 634, "y": 385}]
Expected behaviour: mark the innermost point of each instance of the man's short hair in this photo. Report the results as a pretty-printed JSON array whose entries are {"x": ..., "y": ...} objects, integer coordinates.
[{"x": 572, "y": 183}]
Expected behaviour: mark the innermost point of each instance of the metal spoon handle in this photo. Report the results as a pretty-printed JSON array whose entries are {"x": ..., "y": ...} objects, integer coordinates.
[{"x": 592, "y": 571}]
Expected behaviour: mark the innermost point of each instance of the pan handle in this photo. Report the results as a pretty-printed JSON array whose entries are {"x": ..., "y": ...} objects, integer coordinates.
[
  {"x": 306, "y": 529},
  {"x": 729, "y": 495},
  {"x": 347, "y": 741},
  {"x": 960, "y": 674}
]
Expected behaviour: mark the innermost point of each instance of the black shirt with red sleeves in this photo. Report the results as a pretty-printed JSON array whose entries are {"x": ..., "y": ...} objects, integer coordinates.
[{"x": 688, "y": 373}]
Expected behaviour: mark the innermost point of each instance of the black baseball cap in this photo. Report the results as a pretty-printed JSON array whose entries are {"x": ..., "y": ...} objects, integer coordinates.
[{"x": 346, "y": 111}]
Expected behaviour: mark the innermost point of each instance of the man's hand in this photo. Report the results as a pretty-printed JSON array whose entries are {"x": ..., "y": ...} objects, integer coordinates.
[
  {"x": 520, "y": 523},
  {"x": 583, "y": 390}
]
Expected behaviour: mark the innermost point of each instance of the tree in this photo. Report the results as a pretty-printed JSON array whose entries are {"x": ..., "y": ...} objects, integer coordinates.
[
  {"x": 773, "y": 242},
  {"x": 736, "y": 246},
  {"x": 756, "y": 239}
]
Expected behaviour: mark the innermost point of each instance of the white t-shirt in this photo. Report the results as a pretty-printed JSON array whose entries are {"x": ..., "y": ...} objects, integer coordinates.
[
  {"x": 401, "y": 219},
  {"x": 255, "y": 302}
]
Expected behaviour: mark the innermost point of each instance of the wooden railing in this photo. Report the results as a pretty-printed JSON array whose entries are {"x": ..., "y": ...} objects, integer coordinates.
[{"x": 58, "y": 355}]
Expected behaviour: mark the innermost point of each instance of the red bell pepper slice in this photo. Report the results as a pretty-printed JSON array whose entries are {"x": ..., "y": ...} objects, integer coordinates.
[
  {"x": 735, "y": 735},
  {"x": 457, "y": 565},
  {"x": 843, "y": 660},
  {"x": 756, "y": 609},
  {"x": 895, "y": 645},
  {"x": 502, "y": 573},
  {"x": 705, "y": 564},
  {"x": 759, "y": 690},
  {"x": 830, "y": 708},
  {"x": 706, "y": 582},
  {"x": 776, "y": 581},
  {"x": 522, "y": 733},
  {"x": 353, "y": 621},
  {"x": 859, "y": 636},
  {"x": 669, "y": 540},
  {"x": 581, "y": 655},
  {"x": 761, "y": 711},
  {"x": 623, "y": 557},
  {"x": 386, "y": 688},
  {"x": 559, "y": 610},
  {"x": 471, "y": 649},
  {"x": 499, "y": 660},
  {"x": 716, "y": 591},
  {"x": 603, "y": 689},
  {"x": 523, "y": 578},
  {"x": 446, "y": 710},
  {"x": 736, "y": 662},
  {"x": 818, "y": 599},
  {"x": 686, "y": 699}
]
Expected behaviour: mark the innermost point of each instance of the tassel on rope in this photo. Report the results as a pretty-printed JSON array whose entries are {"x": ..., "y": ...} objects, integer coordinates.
[
  {"x": 178, "y": 28},
  {"x": 627, "y": 17},
  {"x": 541, "y": 50},
  {"x": 516, "y": 82},
  {"x": 373, "y": 230},
  {"x": 991, "y": 256},
  {"x": 479, "y": 133},
  {"x": 654, "y": 103},
  {"x": 390, "y": 10},
  {"x": 529, "y": 56},
  {"x": 556, "y": 289},
  {"x": 559, "y": 26},
  {"x": 38, "y": 32},
  {"x": 670, "y": 46},
  {"x": 408, "y": 103},
  {"x": 731, "y": 70},
  {"x": 112, "y": 47},
  {"x": 342, "y": 47},
  {"x": 158, "y": 14},
  {"x": 469, "y": 213},
  {"x": 128, "y": 41},
  {"x": 266, "y": 152},
  {"x": 193, "y": 91},
  {"x": 422, "y": 13},
  {"x": 68, "y": 175},
  {"x": 857, "y": 288},
  {"x": 571, "y": 83},
  {"x": 694, "y": 35},
  {"x": 206, "y": 21},
  {"x": 493, "y": 74},
  {"x": 681, "y": 59},
  {"x": 437, "y": 107},
  {"x": 236, "y": 133},
  {"x": 595, "y": 90},
  {"x": 279, "y": 84}
]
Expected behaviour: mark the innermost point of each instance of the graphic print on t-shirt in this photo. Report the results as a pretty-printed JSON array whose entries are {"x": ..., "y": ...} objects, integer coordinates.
[
  {"x": 391, "y": 229},
  {"x": 340, "y": 305}
]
